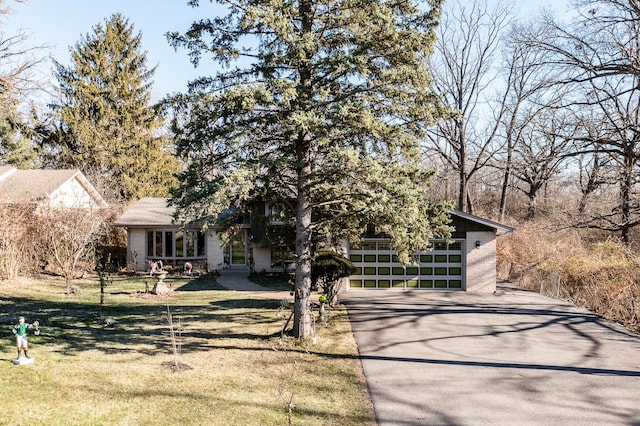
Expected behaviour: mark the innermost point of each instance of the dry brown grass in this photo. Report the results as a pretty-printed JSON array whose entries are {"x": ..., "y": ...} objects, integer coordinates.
[
  {"x": 241, "y": 372},
  {"x": 597, "y": 273}
]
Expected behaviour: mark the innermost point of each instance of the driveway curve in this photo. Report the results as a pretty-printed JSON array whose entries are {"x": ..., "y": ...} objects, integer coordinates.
[{"x": 509, "y": 358}]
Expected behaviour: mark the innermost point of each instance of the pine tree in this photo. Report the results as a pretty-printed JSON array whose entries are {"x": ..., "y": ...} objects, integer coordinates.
[
  {"x": 15, "y": 148},
  {"x": 323, "y": 105},
  {"x": 107, "y": 125}
]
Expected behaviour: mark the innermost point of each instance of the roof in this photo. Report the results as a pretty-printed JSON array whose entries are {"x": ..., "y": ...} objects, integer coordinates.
[
  {"x": 498, "y": 227},
  {"x": 32, "y": 186},
  {"x": 148, "y": 212},
  {"x": 158, "y": 212}
]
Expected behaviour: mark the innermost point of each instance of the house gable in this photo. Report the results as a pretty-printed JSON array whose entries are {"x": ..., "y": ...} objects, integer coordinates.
[
  {"x": 464, "y": 223},
  {"x": 57, "y": 188}
]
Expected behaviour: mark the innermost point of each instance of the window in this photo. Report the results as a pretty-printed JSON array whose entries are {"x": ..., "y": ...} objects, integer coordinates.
[
  {"x": 190, "y": 243},
  {"x": 455, "y": 284},
  {"x": 441, "y": 271},
  {"x": 275, "y": 213},
  {"x": 426, "y": 258},
  {"x": 397, "y": 270},
  {"x": 368, "y": 245},
  {"x": 281, "y": 256},
  {"x": 355, "y": 283},
  {"x": 384, "y": 246},
  {"x": 175, "y": 244},
  {"x": 440, "y": 245},
  {"x": 455, "y": 245}
]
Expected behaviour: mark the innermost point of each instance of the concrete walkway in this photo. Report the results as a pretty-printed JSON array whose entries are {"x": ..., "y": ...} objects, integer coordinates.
[{"x": 513, "y": 358}]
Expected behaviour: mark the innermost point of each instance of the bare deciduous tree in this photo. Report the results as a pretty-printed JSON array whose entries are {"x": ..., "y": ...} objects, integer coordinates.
[
  {"x": 540, "y": 155},
  {"x": 599, "y": 52},
  {"x": 20, "y": 243},
  {"x": 70, "y": 235},
  {"x": 464, "y": 67}
]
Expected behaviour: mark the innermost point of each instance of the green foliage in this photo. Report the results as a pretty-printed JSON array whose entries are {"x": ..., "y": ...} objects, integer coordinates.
[
  {"x": 329, "y": 266},
  {"x": 324, "y": 105},
  {"x": 108, "y": 128},
  {"x": 15, "y": 148}
]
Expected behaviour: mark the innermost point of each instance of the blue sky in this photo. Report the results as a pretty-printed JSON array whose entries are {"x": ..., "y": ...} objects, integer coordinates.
[{"x": 59, "y": 24}]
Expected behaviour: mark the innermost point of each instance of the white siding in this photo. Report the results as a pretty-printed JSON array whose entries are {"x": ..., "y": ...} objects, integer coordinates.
[
  {"x": 261, "y": 259},
  {"x": 215, "y": 251},
  {"x": 136, "y": 248},
  {"x": 71, "y": 194},
  {"x": 481, "y": 262}
]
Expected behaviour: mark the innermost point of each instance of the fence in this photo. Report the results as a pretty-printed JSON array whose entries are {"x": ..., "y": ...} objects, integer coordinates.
[{"x": 531, "y": 278}]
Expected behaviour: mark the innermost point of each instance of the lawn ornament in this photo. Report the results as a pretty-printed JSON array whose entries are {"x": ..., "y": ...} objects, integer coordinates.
[{"x": 20, "y": 331}]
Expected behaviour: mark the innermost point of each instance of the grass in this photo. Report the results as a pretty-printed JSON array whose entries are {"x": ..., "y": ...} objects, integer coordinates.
[
  {"x": 241, "y": 372},
  {"x": 275, "y": 281}
]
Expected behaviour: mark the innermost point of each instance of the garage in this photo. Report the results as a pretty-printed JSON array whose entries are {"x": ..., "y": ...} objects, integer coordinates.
[
  {"x": 378, "y": 267},
  {"x": 465, "y": 263}
]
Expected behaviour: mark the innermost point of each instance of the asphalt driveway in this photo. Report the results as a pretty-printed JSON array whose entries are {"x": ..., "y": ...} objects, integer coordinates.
[{"x": 513, "y": 358}]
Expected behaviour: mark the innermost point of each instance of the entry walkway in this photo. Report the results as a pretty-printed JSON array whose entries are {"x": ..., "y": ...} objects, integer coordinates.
[{"x": 509, "y": 358}]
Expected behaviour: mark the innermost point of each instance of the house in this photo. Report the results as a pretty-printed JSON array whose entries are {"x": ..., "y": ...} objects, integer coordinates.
[
  {"x": 54, "y": 188},
  {"x": 152, "y": 235},
  {"x": 467, "y": 262}
]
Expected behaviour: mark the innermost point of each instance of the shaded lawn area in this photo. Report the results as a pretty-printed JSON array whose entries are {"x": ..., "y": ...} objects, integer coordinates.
[{"x": 240, "y": 371}]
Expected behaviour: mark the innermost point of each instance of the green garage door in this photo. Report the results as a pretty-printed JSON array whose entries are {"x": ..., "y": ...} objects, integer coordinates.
[{"x": 378, "y": 267}]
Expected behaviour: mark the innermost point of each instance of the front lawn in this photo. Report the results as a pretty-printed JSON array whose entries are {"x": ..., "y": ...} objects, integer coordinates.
[{"x": 231, "y": 368}]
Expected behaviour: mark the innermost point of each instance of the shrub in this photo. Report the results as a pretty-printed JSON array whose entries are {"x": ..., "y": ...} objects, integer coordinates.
[{"x": 329, "y": 267}]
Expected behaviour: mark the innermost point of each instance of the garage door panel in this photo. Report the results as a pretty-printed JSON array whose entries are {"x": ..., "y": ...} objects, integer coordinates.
[{"x": 378, "y": 267}]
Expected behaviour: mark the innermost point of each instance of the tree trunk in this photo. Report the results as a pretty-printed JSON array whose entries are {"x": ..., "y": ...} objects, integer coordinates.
[
  {"x": 533, "y": 202},
  {"x": 302, "y": 317},
  {"x": 625, "y": 196},
  {"x": 505, "y": 180},
  {"x": 462, "y": 168},
  {"x": 302, "y": 312}
]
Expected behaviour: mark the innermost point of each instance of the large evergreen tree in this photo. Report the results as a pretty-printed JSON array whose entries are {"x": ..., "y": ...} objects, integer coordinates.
[
  {"x": 108, "y": 127},
  {"x": 323, "y": 105},
  {"x": 15, "y": 148}
]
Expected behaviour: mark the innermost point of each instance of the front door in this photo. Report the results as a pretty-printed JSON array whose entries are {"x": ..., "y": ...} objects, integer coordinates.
[{"x": 238, "y": 251}]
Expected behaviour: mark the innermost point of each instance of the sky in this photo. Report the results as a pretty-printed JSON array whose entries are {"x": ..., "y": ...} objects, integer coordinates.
[{"x": 60, "y": 24}]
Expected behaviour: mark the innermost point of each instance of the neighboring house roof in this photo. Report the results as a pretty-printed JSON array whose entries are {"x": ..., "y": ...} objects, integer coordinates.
[
  {"x": 68, "y": 188},
  {"x": 148, "y": 212}
]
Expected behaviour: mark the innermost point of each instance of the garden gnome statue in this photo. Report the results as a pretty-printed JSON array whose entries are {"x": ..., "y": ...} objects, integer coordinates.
[{"x": 20, "y": 331}]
